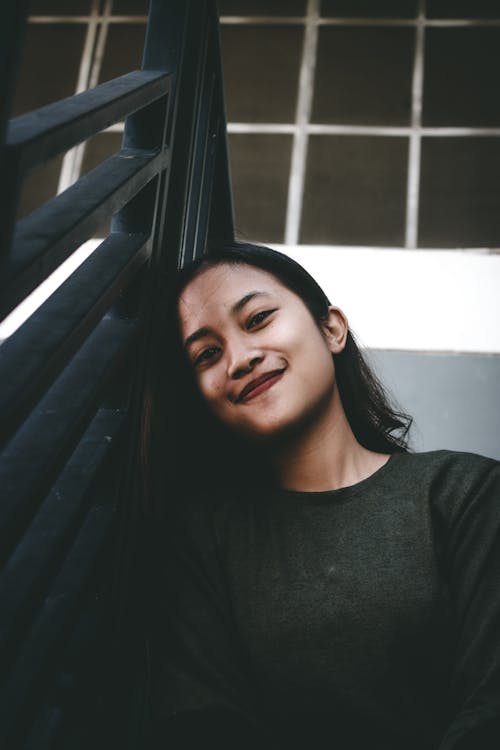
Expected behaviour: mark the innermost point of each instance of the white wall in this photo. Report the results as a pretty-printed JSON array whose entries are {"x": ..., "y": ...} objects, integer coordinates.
[{"x": 417, "y": 300}]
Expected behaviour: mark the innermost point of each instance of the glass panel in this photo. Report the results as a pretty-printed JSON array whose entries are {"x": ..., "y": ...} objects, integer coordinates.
[
  {"x": 123, "y": 51},
  {"x": 261, "y": 7},
  {"x": 462, "y": 77},
  {"x": 370, "y": 9},
  {"x": 60, "y": 7},
  {"x": 355, "y": 191},
  {"x": 44, "y": 48},
  {"x": 130, "y": 7},
  {"x": 260, "y": 165},
  {"x": 39, "y": 186},
  {"x": 463, "y": 9},
  {"x": 460, "y": 192},
  {"x": 261, "y": 70},
  {"x": 364, "y": 76}
]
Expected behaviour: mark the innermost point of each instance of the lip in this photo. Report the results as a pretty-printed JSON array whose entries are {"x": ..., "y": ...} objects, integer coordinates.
[{"x": 259, "y": 385}]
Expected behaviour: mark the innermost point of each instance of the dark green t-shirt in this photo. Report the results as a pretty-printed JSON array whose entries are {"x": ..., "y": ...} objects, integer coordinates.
[{"x": 367, "y": 616}]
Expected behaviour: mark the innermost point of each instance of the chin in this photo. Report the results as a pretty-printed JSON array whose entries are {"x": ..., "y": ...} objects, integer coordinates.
[
  {"x": 285, "y": 427},
  {"x": 258, "y": 431},
  {"x": 272, "y": 432}
]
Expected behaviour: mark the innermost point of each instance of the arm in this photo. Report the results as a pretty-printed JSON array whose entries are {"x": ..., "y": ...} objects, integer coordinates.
[{"x": 472, "y": 560}]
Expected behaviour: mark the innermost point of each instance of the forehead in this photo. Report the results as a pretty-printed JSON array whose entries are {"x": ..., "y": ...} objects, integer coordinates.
[{"x": 215, "y": 291}]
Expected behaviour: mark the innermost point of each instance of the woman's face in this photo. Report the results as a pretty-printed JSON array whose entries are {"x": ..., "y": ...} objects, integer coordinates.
[{"x": 261, "y": 362}]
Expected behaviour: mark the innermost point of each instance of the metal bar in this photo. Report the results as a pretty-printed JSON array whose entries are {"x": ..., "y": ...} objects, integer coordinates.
[
  {"x": 175, "y": 36},
  {"x": 206, "y": 180},
  {"x": 221, "y": 214},
  {"x": 121, "y": 19},
  {"x": 220, "y": 207},
  {"x": 70, "y": 168},
  {"x": 414, "y": 146},
  {"x": 148, "y": 128},
  {"x": 33, "y": 458},
  {"x": 376, "y": 130},
  {"x": 97, "y": 55},
  {"x": 25, "y": 576},
  {"x": 202, "y": 117},
  {"x": 51, "y": 233},
  {"x": 36, "y": 353},
  {"x": 353, "y": 21},
  {"x": 11, "y": 35},
  {"x": 215, "y": 211},
  {"x": 71, "y": 706},
  {"x": 189, "y": 111},
  {"x": 44, "y": 732},
  {"x": 166, "y": 44},
  {"x": 302, "y": 118},
  {"x": 270, "y": 20},
  {"x": 213, "y": 178},
  {"x": 40, "y": 135},
  {"x": 56, "y": 617}
]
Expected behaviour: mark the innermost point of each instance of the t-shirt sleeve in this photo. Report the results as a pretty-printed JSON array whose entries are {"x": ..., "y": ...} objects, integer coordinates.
[
  {"x": 472, "y": 565},
  {"x": 201, "y": 690}
]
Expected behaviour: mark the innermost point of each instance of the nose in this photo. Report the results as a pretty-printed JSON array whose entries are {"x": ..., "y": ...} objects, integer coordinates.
[{"x": 243, "y": 362}]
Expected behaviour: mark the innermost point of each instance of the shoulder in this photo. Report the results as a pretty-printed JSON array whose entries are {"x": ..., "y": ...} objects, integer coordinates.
[
  {"x": 454, "y": 482},
  {"x": 446, "y": 465}
]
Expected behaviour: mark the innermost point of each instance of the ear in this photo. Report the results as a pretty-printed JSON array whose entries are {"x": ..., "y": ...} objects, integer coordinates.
[{"x": 335, "y": 329}]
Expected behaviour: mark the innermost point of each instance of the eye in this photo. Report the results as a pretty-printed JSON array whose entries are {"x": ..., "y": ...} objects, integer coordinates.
[
  {"x": 255, "y": 320},
  {"x": 207, "y": 355}
]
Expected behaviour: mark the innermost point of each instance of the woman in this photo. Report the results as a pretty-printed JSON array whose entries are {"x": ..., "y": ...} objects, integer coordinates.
[{"x": 323, "y": 586}]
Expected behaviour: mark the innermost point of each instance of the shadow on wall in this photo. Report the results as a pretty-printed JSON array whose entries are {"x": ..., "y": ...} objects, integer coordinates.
[{"x": 461, "y": 409}]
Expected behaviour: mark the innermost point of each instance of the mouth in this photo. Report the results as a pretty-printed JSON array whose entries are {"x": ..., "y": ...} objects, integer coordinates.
[{"x": 259, "y": 385}]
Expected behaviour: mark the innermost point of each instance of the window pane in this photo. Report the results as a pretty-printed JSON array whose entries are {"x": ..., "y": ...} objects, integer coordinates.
[
  {"x": 39, "y": 186},
  {"x": 463, "y": 9},
  {"x": 60, "y": 7},
  {"x": 364, "y": 76},
  {"x": 370, "y": 9},
  {"x": 460, "y": 192},
  {"x": 261, "y": 69},
  {"x": 462, "y": 77},
  {"x": 355, "y": 190},
  {"x": 130, "y": 7},
  {"x": 123, "y": 51},
  {"x": 261, "y": 7},
  {"x": 260, "y": 165},
  {"x": 44, "y": 47}
]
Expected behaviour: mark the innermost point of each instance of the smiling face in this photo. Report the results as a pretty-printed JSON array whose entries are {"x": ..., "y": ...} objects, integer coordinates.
[{"x": 262, "y": 363}]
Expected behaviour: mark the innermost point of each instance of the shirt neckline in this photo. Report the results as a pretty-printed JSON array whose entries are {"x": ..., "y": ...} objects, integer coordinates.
[{"x": 341, "y": 493}]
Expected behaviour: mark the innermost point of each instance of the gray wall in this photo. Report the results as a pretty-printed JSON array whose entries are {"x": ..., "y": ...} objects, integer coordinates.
[{"x": 454, "y": 398}]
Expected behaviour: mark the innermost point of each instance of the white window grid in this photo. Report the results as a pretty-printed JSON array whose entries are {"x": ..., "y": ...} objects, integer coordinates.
[{"x": 101, "y": 16}]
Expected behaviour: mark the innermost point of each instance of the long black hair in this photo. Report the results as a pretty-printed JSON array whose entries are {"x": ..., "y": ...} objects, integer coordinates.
[{"x": 375, "y": 421}]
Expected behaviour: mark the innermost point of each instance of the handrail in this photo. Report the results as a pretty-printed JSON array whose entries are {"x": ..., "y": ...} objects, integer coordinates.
[
  {"x": 40, "y": 135},
  {"x": 34, "y": 354},
  {"x": 51, "y": 233},
  {"x": 74, "y": 377}
]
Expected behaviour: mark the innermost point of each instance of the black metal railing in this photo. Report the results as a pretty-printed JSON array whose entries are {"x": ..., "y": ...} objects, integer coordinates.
[{"x": 73, "y": 376}]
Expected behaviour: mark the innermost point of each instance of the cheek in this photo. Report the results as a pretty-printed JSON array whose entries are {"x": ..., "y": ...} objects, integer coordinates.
[
  {"x": 320, "y": 368},
  {"x": 210, "y": 384},
  {"x": 314, "y": 350}
]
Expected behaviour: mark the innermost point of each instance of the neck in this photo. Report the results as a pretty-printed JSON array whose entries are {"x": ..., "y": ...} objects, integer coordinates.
[{"x": 325, "y": 455}]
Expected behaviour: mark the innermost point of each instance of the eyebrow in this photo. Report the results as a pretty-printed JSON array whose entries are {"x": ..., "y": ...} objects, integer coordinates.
[
  {"x": 244, "y": 300},
  {"x": 236, "y": 308},
  {"x": 199, "y": 334}
]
